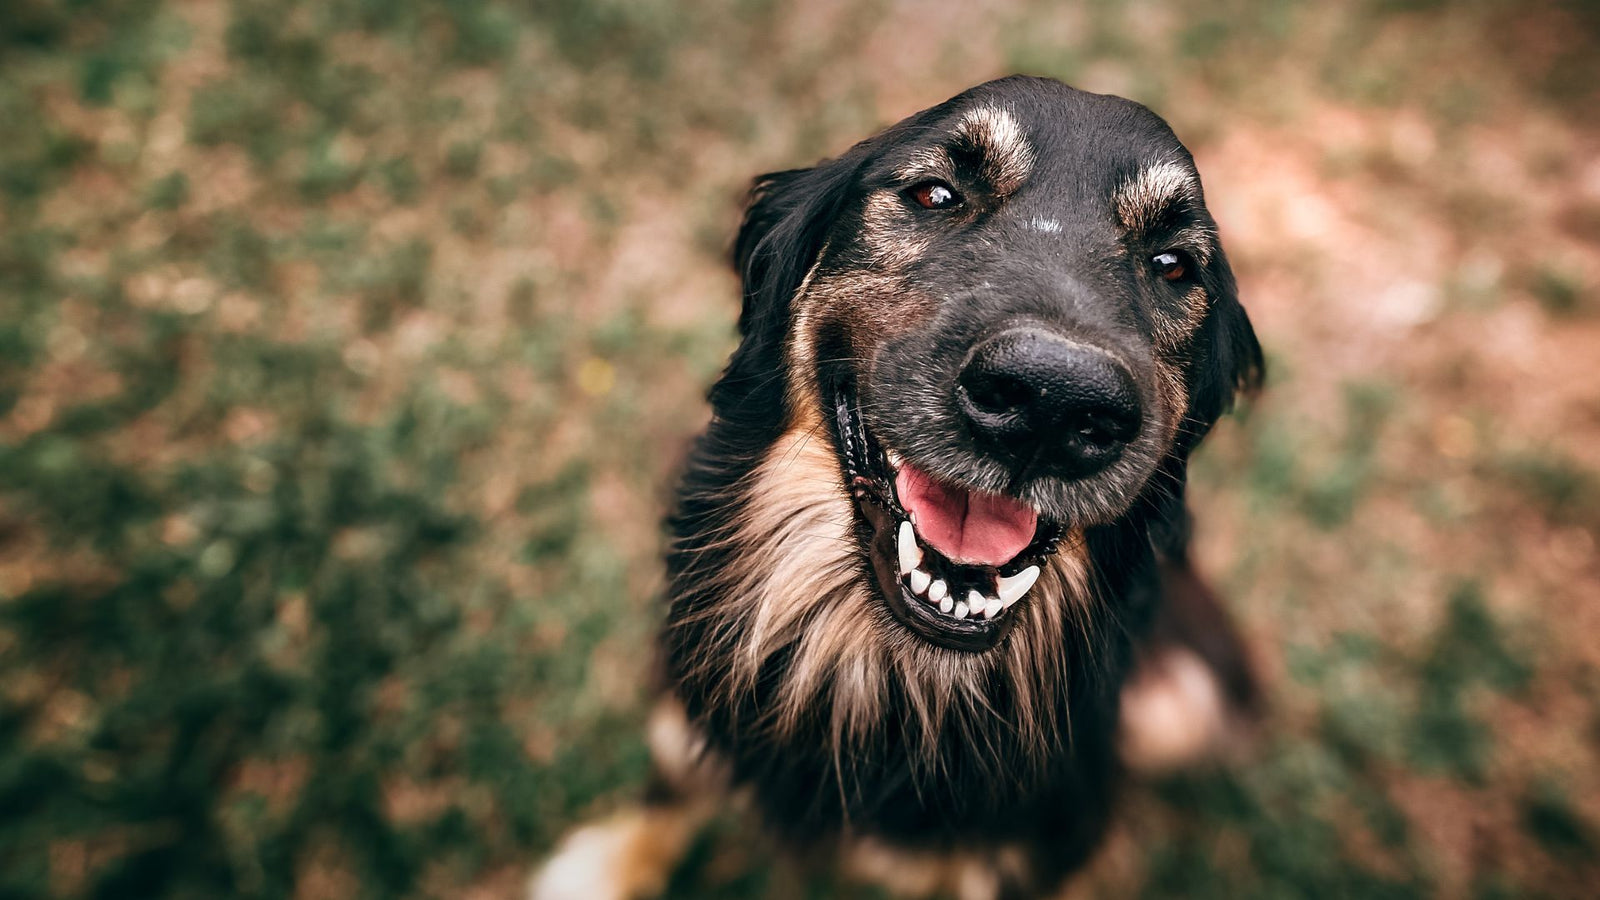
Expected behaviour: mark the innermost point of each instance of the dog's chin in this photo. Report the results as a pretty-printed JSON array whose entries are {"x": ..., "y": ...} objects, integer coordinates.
[{"x": 943, "y": 598}]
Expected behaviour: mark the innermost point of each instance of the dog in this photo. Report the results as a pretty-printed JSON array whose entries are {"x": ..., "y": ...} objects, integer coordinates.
[{"x": 929, "y": 594}]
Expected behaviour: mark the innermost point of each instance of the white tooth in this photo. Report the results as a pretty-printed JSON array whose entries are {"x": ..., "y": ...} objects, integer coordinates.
[
  {"x": 919, "y": 581},
  {"x": 946, "y": 604},
  {"x": 910, "y": 553},
  {"x": 975, "y": 602},
  {"x": 961, "y": 609},
  {"x": 893, "y": 457},
  {"x": 992, "y": 607},
  {"x": 938, "y": 590},
  {"x": 1011, "y": 588}
]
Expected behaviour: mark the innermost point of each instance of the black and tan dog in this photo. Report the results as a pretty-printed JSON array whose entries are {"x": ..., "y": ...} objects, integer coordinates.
[{"x": 929, "y": 592}]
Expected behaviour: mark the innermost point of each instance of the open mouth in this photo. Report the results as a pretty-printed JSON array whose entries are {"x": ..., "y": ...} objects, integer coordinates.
[{"x": 953, "y": 564}]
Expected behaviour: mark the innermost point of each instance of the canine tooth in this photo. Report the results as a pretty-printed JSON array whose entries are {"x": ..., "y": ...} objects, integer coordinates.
[
  {"x": 992, "y": 607},
  {"x": 938, "y": 590},
  {"x": 892, "y": 457},
  {"x": 961, "y": 609},
  {"x": 1011, "y": 588},
  {"x": 919, "y": 581},
  {"x": 946, "y": 604},
  {"x": 910, "y": 553},
  {"x": 975, "y": 602}
]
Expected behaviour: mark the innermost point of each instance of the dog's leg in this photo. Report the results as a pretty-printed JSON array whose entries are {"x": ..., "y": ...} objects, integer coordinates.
[
  {"x": 633, "y": 853},
  {"x": 922, "y": 874},
  {"x": 1194, "y": 683},
  {"x": 625, "y": 857}
]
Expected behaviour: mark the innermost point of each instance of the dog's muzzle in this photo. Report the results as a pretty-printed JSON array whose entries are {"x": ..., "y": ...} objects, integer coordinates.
[{"x": 950, "y": 562}]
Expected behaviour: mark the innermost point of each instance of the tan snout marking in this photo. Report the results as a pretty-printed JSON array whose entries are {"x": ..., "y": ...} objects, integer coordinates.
[
  {"x": 1174, "y": 325},
  {"x": 870, "y": 304},
  {"x": 885, "y": 232}
]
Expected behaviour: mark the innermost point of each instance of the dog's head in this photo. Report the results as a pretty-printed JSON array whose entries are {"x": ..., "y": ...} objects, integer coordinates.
[{"x": 1011, "y": 318}]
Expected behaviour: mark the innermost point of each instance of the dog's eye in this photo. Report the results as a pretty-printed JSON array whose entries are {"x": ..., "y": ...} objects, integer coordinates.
[
  {"x": 1172, "y": 265},
  {"x": 934, "y": 195}
]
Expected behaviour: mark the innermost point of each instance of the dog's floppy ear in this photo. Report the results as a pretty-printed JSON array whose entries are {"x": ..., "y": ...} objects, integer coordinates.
[
  {"x": 785, "y": 226},
  {"x": 785, "y": 223}
]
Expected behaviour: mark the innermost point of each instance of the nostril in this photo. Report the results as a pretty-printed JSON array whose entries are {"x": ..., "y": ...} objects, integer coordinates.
[
  {"x": 1108, "y": 426},
  {"x": 1096, "y": 433},
  {"x": 997, "y": 392}
]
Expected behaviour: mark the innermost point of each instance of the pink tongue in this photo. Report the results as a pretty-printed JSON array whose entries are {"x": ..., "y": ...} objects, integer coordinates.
[{"x": 966, "y": 526}]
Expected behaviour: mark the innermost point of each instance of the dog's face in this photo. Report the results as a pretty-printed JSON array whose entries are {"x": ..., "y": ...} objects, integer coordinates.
[{"x": 1009, "y": 315}]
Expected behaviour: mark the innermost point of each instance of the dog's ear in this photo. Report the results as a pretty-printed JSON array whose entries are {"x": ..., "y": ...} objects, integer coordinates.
[
  {"x": 785, "y": 226},
  {"x": 1226, "y": 360},
  {"x": 786, "y": 221}
]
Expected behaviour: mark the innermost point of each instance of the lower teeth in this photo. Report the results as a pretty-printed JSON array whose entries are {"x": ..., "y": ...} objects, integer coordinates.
[
  {"x": 920, "y": 580},
  {"x": 1008, "y": 589}
]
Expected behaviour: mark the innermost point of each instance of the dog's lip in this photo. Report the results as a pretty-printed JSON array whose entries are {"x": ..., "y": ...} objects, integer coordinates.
[{"x": 946, "y": 602}]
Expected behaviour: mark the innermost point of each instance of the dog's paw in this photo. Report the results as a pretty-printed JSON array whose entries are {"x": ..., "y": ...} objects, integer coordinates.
[
  {"x": 1173, "y": 712},
  {"x": 920, "y": 875},
  {"x": 626, "y": 857}
]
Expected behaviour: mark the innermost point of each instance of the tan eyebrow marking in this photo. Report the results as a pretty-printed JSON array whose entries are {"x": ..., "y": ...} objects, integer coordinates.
[
  {"x": 1142, "y": 199},
  {"x": 1007, "y": 155},
  {"x": 927, "y": 162}
]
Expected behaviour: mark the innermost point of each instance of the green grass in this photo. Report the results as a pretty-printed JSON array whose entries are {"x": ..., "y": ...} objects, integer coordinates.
[{"x": 347, "y": 351}]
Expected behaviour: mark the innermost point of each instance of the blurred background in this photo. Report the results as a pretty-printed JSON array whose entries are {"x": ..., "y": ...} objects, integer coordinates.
[{"x": 348, "y": 349}]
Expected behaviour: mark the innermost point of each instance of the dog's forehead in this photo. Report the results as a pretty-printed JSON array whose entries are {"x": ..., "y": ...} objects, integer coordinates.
[{"x": 1056, "y": 141}]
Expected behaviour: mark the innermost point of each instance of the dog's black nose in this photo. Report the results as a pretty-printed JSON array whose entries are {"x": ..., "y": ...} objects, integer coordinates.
[{"x": 1040, "y": 401}]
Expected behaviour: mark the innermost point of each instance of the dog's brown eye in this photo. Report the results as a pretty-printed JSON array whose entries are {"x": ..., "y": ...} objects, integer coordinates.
[
  {"x": 935, "y": 195},
  {"x": 1173, "y": 265}
]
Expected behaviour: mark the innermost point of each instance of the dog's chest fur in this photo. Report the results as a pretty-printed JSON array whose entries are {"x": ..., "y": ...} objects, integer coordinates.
[{"x": 841, "y": 726}]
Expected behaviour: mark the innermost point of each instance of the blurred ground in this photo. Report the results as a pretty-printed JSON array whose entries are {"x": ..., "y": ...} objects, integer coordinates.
[{"x": 347, "y": 350}]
